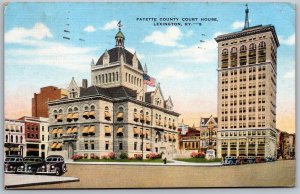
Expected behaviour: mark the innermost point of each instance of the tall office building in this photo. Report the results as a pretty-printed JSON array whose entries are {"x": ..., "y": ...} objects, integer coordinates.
[{"x": 247, "y": 71}]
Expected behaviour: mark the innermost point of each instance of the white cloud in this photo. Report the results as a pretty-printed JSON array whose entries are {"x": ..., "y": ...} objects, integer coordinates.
[
  {"x": 41, "y": 52},
  {"x": 238, "y": 24},
  {"x": 172, "y": 73},
  {"x": 290, "y": 74},
  {"x": 38, "y": 32},
  {"x": 110, "y": 25},
  {"x": 204, "y": 52},
  {"x": 167, "y": 38},
  {"x": 89, "y": 28},
  {"x": 288, "y": 41}
]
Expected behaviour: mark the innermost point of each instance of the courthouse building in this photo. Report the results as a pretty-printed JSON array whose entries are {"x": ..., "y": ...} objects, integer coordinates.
[
  {"x": 115, "y": 113},
  {"x": 247, "y": 71}
]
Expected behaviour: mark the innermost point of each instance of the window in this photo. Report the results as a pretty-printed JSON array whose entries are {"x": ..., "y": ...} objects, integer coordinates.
[
  {"x": 92, "y": 145},
  {"x": 120, "y": 146},
  {"x": 21, "y": 139},
  {"x": 43, "y": 137},
  {"x": 42, "y": 128},
  {"x": 86, "y": 145},
  {"x": 17, "y": 139},
  {"x": 243, "y": 55},
  {"x": 106, "y": 145},
  {"x": 141, "y": 146},
  {"x": 11, "y": 138},
  {"x": 135, "y": 146}
]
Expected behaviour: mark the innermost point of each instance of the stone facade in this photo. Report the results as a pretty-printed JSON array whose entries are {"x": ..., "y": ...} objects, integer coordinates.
[
  {"x": 115, "y": 114},
  {"x": 247, "y": 70}
]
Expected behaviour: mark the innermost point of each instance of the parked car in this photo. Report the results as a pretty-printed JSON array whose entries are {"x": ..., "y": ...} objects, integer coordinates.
[
  {"x": 12, "y": 162},
  {"x": 242, "y": 160},
  {"x": 30, "y": 164},
  {"x": 54, "y": 164},
  {"x": 269, "y": 159},
  {"x": 259, "y": 159},
  {"x": 230, "y": 160},
  {"x": 251, "y": 159}
]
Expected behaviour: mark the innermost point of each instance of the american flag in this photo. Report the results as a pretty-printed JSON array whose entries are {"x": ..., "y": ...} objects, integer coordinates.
[{"x": 150, "y": 81}]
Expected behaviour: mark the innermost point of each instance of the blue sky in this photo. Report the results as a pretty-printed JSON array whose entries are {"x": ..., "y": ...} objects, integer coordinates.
[{"x": 36, "y": 55}]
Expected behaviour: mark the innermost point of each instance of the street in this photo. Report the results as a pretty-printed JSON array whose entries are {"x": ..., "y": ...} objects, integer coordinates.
[{"x": 279, "y": 174}]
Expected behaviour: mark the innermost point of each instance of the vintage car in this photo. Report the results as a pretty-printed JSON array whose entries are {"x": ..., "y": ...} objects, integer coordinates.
[
  {"x": 12, "y": 162},
  {"x": 230, "y": 160},
  {"x": 242, "y": 160},
  {"x": 259, "y": 159},
  {"x": 54, "y": 165},
  {"x": 251, "y": 159},
  {"x": 269, "y": 159},
  {"x": 30, "y": 164}
]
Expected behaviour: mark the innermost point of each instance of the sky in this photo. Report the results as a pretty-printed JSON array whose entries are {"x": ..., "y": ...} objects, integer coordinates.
[{"x": 182, "y": 58}]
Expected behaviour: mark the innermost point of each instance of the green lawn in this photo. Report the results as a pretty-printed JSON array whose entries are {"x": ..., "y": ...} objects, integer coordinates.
[
  {"x": 120, "y": 160},
  {"x": 200, "y": 160}
]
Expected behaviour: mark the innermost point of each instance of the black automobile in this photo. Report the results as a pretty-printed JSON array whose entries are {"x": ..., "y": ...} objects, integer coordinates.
[
  {"x": 54, "y": 165},
  {"x": 12, "y": 162},
  {"x": 31, "y": 164}
]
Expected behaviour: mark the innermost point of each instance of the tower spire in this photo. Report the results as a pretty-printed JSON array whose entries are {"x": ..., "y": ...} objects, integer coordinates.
[
  {"x": 120, "y": 38},
  {"x": 246, "y": 18}
]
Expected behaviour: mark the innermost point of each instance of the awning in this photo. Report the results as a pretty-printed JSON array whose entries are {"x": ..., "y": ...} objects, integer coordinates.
[
  {"x": 60, "y": 131},
  {"x": 136, "y": 131},
  {"x": 107, "y": 129},
  {"x": 120, "y": 115},
  {"x": 53, "y": 145},
  {"x": 147, "y": 118},
  {"x": 92, "y": 129},
  {"x": 86, "y": 113},
  {"x": 75, "y": 116},
  {"x": 92, "y": 113},
  {"x": 69, "y": 130},
  {"x": 69, "y": 116},
  {"x": 120, "y": 130},
  {"x": 147, "y": 145},
  {"x": 75, "y": 130},
  {"x": 106, "y": 114},
  {"x": 85, "y": 129},
  {"x": 142, "y": 118},
  {"x": 54, "y": 131},
  {"x": 59, "y": 117},
  {"x": 58, "y": 146}
]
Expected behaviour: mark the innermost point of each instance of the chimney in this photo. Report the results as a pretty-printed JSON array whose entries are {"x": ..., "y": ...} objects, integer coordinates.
[{"x": 84, "y": 83}]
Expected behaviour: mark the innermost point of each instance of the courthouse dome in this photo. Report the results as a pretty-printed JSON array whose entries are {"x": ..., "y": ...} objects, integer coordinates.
[{"x": 115, "y": 53}]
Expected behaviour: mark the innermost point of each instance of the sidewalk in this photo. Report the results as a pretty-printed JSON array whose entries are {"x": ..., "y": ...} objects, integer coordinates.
[
  {"x": 170, "y": 163},
  {"x": 20, "y": 180}
]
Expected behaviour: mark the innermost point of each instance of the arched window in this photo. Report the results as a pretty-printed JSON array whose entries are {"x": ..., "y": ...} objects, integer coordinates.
[
  {"x": 99, "y": 78},
  {"x": 224, "y": 58},
  {"x": 126, "y": 78},
  {"x": 117, "y": 76},
  {"x": 262, "y": 52},
  {"x": 21, "y": 139},
  {"x": 69, "y": 110},
  {"x": 60, "y": 111},
  {"x": 113, "y": 76},
  {"x": 225, "y": 51},
  {"x": 106, "y": 79},
  {"x": 233, "y": 50},
  {"x": 86, "y": 108},
  {"x": 121, "y": 109},
  {"x": 17, "y": 139},
  {"x": 11, "y": 138},
  {"x": 6, "y": 138},
  {"x": 252, "y": 53},
  {"x": 132, "y": 79},
  {"x": 106, "y": 108},
  {"x": 92, "y": 108},
  {"x": 252, "y": 46},
  {"x": 103, "y": 78},
  {"x": 262, "y": 45},
  {"x": 75, "y": 109},
  {"x": 243, "y": 55},
  {"x": 109, "y": 77},
  {"x": 243, "y": 48}
]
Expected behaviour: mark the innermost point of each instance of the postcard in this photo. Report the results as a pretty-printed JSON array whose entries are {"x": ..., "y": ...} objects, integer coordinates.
[{"x": 149, "y": 95}]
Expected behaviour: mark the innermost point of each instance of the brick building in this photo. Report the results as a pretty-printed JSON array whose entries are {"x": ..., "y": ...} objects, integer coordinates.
[{"x": 39, "y": 101}]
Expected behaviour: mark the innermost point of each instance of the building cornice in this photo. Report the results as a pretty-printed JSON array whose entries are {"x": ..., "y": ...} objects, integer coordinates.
[{"x": 248, "y": 32}]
